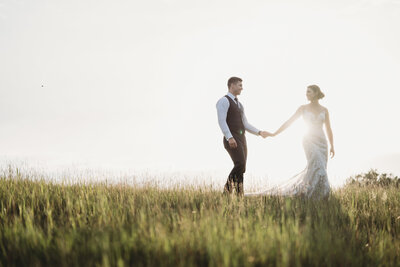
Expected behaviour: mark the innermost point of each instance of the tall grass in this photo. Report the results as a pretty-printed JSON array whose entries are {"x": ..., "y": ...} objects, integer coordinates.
[{"x": 45, "y": 223}]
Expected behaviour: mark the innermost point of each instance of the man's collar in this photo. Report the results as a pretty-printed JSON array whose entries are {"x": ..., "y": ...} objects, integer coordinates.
[{"x": 231, "y": 95}]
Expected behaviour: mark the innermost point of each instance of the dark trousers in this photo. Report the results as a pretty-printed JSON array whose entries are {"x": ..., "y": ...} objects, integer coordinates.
[{"x": 239, "y": 158}]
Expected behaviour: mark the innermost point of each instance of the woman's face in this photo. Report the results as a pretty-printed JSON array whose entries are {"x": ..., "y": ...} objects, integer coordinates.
[{"x": 310, "y": 94}]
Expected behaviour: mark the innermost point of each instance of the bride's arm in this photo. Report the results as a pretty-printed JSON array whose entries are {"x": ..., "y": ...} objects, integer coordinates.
[
  {"x": 289, "y": 122},
  {"x": 329, "y": 132}
]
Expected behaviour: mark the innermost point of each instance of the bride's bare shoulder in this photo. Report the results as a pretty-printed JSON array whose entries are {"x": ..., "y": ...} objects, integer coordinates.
[
  {"x": 325, "y": 110},
  {"x": 302, "y": 108}
]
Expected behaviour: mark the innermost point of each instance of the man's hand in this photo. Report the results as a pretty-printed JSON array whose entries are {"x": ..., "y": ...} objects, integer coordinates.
[
  {"x": 265, "y": 134},
  {"x": 232, "y": 142}
]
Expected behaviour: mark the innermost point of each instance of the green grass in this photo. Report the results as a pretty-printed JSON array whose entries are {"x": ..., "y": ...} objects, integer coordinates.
[{"x": 44, "y": 223}]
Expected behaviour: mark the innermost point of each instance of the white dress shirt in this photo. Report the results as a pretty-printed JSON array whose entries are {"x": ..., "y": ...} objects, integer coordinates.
[{"x": 222, "y": 111}]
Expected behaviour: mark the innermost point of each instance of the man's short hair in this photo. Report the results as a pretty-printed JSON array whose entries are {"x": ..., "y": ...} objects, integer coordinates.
[{"x": 233, "y": 80}]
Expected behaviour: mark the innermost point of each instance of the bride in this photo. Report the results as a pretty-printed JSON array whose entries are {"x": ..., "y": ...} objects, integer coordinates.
[{"x": 313, "y": 180}]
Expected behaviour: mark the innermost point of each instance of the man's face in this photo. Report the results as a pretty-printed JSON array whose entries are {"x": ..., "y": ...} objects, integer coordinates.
[{"x": 236, "y": 88}]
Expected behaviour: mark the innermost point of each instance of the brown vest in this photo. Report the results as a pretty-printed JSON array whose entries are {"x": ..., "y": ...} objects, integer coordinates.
[{"x": 234, "y": 118}]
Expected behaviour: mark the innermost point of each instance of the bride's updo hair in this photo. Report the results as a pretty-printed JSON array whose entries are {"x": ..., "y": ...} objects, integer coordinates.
[{"x": 316, "y": 90}]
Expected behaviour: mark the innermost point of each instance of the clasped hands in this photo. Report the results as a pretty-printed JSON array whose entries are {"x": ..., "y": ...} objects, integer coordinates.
[{"x": 265, "y": 134}]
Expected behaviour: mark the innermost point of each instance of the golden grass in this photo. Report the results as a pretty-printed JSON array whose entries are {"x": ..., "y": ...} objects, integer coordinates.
[{"x": 53, "y": 224}]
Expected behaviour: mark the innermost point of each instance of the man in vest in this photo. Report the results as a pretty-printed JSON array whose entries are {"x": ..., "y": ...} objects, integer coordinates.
[{"x": 233, "y": 123}]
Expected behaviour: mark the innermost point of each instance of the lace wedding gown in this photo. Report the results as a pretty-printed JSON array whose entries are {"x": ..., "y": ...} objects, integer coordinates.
[{"x": 313, "y": 180}]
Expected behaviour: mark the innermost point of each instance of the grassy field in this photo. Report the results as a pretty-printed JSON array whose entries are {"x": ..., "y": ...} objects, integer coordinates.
[{"x": 43, "y": 223}]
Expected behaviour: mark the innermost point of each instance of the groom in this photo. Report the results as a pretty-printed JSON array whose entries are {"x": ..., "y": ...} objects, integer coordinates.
[{"x": 233, "y": 123}]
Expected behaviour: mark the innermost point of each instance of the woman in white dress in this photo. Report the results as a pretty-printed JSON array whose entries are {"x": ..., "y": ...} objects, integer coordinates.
[{"x": 313, "y": 180}]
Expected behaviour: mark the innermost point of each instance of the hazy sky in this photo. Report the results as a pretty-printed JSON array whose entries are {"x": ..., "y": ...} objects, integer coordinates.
[{"x": 133, "y": 84}]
